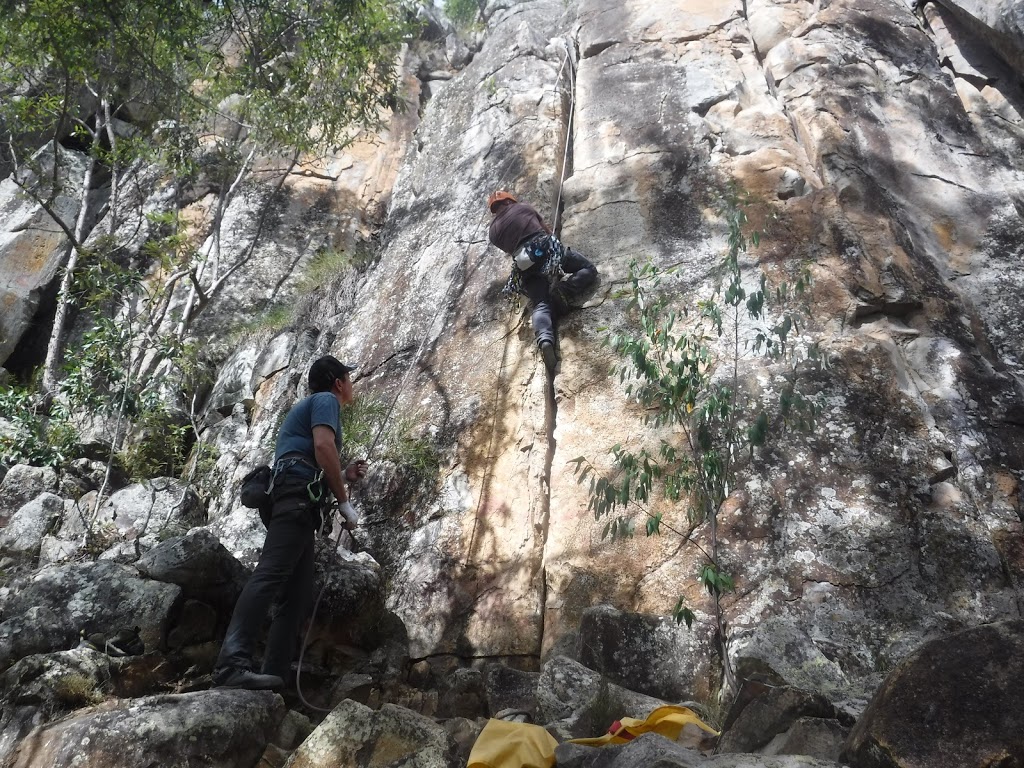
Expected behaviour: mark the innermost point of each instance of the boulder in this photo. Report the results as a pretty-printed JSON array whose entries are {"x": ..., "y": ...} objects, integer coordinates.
[
  {"x": 643, "y": 652},
  {"x": 462, "y": 694},
  {"x": 509, "y": 688},
  {"x": 41, "y": 687},
  {"x": 576, "y": 701},
  {"x": 81, "y": 476},
  {"x": 23, "y": 483},
  {"x": 151, "y": 506},
  {"x": 357, "y": 736},
  {"x": 758, "y": 761},
  {"x": 47, "y": 611},
  {"x": 53, "y": 549},
  {"x": 761, "y": 714},
  {"x": 650, "y": 749},
  {"x": 779, "y": 650},
  {"x": 812, "y": 736},
  {"x": 22, "y": 536},
  {"x": 955, "y": 702},
  {"x": 226, "y": 728},
  {"x": 351, "y": 607},
  {"x": 462, "y": 734},
  {"x": 199, "y": 564}
]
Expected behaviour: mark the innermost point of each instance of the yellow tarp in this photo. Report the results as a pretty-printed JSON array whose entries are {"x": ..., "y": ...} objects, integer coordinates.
[
  {"x": 503, "y": 744},
  {"x": 669, "y": 721}
]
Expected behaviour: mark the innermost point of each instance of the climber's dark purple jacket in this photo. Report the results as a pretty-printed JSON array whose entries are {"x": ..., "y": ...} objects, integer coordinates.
[{"x": 513, "y": 224}]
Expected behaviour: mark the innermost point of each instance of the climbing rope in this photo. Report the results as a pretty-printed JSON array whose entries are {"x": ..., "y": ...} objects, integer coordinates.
[
  {"x": 427, "y": 335},
  {"x": 568, "y": 133},
  {"x": 384, "y": 422},
  {"x": 554, "y": 219}
]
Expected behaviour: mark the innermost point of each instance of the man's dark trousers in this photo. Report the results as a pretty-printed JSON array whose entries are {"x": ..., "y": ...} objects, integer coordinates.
[
  {"x": 284, "y": 576},
  {"x": 548, "y": 305}
]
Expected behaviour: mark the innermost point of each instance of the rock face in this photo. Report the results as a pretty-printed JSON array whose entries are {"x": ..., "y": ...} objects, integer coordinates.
[
  {"x": 900, "y": 512},
  {"x": 33, "y": 247},
  {"x": 954, "y": 702},
  {"x": 881, "y": 143}
]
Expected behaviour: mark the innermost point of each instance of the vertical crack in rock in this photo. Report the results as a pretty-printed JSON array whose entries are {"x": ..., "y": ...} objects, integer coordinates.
[
  {"x": 551, "y": 403},
  {"x": 550, "y": 422}
]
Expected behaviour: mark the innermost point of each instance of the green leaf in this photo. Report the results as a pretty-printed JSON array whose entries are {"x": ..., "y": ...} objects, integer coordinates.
[
  {"x": 758, "y": 431},
  {"x": 683, "y": 614}
]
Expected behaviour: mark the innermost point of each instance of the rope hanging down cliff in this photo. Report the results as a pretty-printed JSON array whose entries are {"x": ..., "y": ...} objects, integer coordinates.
[{"x": 426, "y": 336}]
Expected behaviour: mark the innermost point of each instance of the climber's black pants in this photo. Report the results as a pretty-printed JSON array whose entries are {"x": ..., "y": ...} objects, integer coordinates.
[
  {"x": 550, "y": 304},
  {"x": 284, "y": 577}
]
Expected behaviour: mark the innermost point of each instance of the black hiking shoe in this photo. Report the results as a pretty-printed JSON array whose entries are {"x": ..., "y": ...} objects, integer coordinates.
[
  {"x": 547, "y": 351},
  {"x": 233, "y": 677}
]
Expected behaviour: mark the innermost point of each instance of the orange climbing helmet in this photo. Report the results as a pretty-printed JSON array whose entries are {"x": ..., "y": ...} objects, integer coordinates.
[{"x": 498, "y": 196}]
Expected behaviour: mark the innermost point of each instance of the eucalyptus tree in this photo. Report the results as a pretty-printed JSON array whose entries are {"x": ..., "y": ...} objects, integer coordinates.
[
  {"x": 133, "y": 82},
  {"x": 682, "y": 365},
  {"x": 69, "y": 70}
]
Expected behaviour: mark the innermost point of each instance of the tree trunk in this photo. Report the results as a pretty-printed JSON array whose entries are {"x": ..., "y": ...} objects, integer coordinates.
[{"x": 56, "y": 341}]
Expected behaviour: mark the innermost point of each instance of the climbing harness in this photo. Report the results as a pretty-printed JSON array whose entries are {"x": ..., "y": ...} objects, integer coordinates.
[{"x": 544, "y": 250}]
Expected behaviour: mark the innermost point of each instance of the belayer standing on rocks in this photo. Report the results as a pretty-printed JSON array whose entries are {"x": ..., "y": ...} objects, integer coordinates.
[
  {"x": 307, "y": 470},
  {"x": 552, "y": 276}
]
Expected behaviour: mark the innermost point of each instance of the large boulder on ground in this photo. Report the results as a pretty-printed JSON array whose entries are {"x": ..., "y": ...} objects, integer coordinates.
[
  {"x": 44, "y": 687},
  {"x": 643, "y": 652},
  {"x": 351, "y": 607},
  {"x": 199, "y": 564},
  {"x": 955, "y": 702},
  {"x": 151, "y": 506},
  {"x": 576, "y": 701},
  {"x": 508, "y": 688},
  {"x": 47, "y": 611},
  {"x": 41, "y": 687},
  {"x": 651, "y": 749},
  {"x": 355, "y": 735},
  {"x": 21, "y": 538},
  {"x": 779, "y": 650},
  {"x": 769, "y": 718},
  {"x": 23, "y": 483},
  {"x": 225, "y": 728}
]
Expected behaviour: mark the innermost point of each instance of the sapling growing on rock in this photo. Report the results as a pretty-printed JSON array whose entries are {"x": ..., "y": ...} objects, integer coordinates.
[{"x": 683, "y": 367}]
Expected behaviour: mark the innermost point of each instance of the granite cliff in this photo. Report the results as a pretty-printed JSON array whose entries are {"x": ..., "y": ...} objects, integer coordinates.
[{"x": 881, "y": 146}]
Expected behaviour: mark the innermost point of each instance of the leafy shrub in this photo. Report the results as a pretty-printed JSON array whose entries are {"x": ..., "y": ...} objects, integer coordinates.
[
  {"x": 462, "y": 12},
  {"x": 30, "y": 436},
  {"x": 367, "y": 427},
  {"x": 683, "y": 369},
  {"x": 159, "y": 445}
]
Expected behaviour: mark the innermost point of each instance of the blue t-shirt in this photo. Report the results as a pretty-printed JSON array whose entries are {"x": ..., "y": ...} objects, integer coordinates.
[{"x": 296, "y": 433}]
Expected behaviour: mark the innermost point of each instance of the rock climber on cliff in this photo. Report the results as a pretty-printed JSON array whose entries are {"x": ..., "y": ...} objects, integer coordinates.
[{"x": 551, "y": 275}]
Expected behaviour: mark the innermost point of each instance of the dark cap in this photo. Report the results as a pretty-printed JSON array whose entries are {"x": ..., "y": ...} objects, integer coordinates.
[{"x": 325, "y": 370}]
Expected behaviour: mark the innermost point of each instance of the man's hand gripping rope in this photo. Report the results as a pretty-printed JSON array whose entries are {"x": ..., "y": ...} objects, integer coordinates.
[{"x": 354, "y": 472}]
